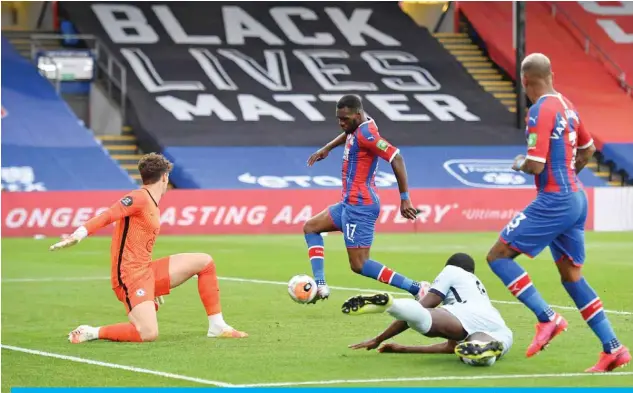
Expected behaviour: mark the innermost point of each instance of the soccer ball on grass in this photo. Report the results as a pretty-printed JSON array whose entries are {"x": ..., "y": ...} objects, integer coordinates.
[{"x": 302, "y": 288}]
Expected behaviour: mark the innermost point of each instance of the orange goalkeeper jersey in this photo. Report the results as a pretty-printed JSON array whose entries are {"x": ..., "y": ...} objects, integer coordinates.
[{"x": 137, "y": 220}]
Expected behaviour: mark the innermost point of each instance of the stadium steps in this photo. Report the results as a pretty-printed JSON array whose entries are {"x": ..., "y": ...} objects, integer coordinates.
[
  {"x": 124, "y": 149},
  {"x": 128, "y": 160},
  {"x": 21, "y": 41},
  {"x": 485, "y": 72},
  {"x": 605, "y": 170},
  {"x": 479, "y": 66},
  {"x": 117, "y": 145}
]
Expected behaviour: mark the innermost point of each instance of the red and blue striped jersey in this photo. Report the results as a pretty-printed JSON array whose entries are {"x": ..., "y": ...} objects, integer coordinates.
[
  {"x": 554, "y": 134},
  {"x": 360, "y": 161}
]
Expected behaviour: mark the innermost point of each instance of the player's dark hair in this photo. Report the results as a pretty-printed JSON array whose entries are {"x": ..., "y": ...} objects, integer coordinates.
[
  {"x": 463, "y": 261},
  {"x": 152, "y": 167},
  {"x": 350, "y": 101}
]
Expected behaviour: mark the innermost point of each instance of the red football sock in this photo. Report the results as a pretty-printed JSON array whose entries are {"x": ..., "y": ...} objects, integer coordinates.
[
  {"x": 209, "y": 290},
  {"x": 120, "y": 332}
]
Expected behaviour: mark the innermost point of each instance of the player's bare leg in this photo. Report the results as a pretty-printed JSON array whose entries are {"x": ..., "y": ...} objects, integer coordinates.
[
  {"x": 360, "y": 263},
  {"x": 431, "y": 322},
  {"x": 184, "y": 266},
  {"x": 515, "y": 278},
  {"x": 614, "y": 354},
  {"x": 312, "y": 229}
]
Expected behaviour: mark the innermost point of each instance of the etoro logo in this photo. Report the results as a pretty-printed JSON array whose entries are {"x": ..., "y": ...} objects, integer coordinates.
[
  {"x": 382, "y": 179},
  {"x": 487, "y": 173}
]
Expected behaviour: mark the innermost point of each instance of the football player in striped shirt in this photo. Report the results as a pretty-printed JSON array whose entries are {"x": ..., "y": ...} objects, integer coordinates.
[{"x": 558, "y": 147}]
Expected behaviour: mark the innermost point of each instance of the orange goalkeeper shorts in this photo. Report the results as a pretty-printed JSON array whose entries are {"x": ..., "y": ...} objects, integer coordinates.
[{"x": 149, "y": 285}]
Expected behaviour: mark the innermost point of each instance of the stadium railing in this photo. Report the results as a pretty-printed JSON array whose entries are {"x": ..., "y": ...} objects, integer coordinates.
[
  {"x": 110, "y": 71},
  {"x": 584, "y": 39}
]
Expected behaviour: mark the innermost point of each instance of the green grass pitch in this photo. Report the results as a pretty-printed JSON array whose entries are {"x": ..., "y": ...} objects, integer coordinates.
[{"x": 288, "y": 343}]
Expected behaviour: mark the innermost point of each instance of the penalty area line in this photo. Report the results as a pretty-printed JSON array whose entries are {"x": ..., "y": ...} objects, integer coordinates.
[
  {"x": 438, "y": 378},
  {"x": 115, "y": 366},
  {"x": 256, "y": 281}
]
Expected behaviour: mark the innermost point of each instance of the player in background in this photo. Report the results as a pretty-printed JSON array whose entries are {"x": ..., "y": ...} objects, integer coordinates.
[
  {"x": 558, "y": 148},
  {"x": 359, "y": 208},
  {"x": 135, "y": 278},
  {"x": 473, "y": 327}
]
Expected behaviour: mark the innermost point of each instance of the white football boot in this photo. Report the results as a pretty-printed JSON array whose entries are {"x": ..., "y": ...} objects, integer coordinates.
[
  {"x": 424, "y": 288},
  {"x": 83, "y": 333},
  {"x": 323, "y": 292}
]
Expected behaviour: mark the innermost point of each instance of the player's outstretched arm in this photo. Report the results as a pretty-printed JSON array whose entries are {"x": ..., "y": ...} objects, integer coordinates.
[
  {"x": 447, "y": 347},
  {"x": 393, "y": 330},
  {"x": 400, "y": 171},
  {"x": 123, "y": 208},
  {"x": 325, "y": 150}
]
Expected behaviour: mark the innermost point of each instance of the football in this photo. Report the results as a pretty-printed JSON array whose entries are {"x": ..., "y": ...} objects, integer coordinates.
[{"x": 302, "y": 288}]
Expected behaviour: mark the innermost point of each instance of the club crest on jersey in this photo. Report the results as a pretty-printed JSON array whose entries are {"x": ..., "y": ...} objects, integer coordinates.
[
  {"x": 382, "y": 145},
  {"x": 127, "y": 201},
  {"x": 140, "y": 292}
]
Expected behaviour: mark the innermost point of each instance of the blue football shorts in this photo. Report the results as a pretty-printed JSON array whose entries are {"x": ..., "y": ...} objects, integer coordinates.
[
  {"x": 358, "y": 223},
  {"x": 554, "y": 220}
]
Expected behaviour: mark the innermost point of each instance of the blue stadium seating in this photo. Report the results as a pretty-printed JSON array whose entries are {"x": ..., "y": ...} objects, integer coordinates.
[
  {"x": 621, "y": 154},
  {"x": 40, "y": 132}
]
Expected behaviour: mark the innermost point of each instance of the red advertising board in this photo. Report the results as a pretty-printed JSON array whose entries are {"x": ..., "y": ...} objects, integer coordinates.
[{"x": 264, "y": 211}]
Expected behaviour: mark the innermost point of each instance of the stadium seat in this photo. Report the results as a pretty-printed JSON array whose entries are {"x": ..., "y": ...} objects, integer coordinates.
[
  {"x": 604, "y": 106},
  {"x": 44, "y": 146}
]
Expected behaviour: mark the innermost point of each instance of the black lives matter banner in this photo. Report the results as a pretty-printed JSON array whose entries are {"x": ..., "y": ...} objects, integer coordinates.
[{"x": 260, "y": 73}]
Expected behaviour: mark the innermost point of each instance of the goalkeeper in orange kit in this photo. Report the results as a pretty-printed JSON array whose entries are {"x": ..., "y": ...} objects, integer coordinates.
[{"x": 136, "y": 279}]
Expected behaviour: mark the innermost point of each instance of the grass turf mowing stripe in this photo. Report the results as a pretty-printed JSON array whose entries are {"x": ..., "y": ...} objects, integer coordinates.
[{"x": 255, "y": 281}]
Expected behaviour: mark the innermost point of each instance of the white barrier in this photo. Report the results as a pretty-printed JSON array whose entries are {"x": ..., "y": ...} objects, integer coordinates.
[{"x": 613, "y": 209}]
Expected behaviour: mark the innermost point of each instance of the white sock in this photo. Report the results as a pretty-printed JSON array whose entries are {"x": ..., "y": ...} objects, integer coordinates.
[
  {"x": 409, "y": 310},
  {"x": 216, "y": 323}
]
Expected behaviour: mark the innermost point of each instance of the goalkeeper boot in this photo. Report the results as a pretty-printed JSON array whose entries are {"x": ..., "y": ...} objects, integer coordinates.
[{"x": 82, "y": 334}]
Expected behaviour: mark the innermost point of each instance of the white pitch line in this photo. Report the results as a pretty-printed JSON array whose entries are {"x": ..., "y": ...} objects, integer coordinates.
[
  {"x": 442, "y": 378},
  {"x": 255, "y": 281},
  {"x": 303, "y": 383},
  {"x": 117, "y": 366}
]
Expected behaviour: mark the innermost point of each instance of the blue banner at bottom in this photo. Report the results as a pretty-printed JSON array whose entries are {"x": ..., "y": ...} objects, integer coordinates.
[{"x": 338, "y": 389}]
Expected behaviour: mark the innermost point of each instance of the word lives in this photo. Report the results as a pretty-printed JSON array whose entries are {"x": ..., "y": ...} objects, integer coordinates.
[{"x": 272, "y": 68}]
